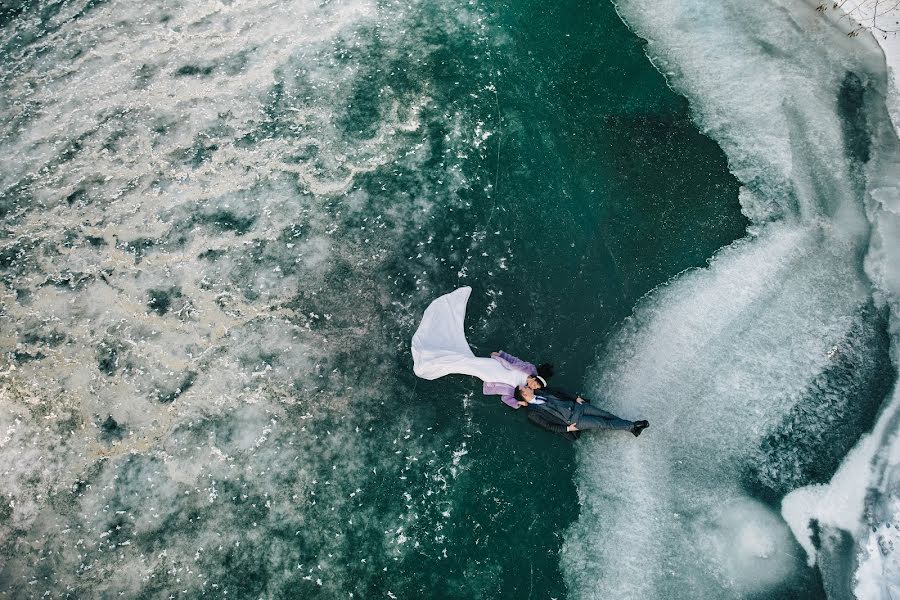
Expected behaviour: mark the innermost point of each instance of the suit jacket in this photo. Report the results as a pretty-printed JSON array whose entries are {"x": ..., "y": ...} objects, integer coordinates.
[
  {"x": 551, "y": 423},
  {"x": 559, "y": 393},
  {"x": 539, "y": 415}
]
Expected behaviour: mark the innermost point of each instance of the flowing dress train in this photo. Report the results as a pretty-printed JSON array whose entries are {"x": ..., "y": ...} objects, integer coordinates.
[{"x": 439, "y": 345}]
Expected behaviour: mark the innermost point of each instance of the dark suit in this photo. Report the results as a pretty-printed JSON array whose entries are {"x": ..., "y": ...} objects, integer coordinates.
[{"x": 559, "y": 410}]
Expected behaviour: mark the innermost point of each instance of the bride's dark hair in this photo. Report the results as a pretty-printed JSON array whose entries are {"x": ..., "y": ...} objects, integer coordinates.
[{"x": 545, "y": 370}]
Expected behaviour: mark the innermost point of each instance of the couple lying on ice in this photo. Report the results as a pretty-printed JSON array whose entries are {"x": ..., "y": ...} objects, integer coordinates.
[{"x": 439, "y": 348}]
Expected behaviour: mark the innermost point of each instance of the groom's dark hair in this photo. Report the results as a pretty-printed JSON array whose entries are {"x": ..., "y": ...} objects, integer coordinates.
[{"x": 518, "y": 395}]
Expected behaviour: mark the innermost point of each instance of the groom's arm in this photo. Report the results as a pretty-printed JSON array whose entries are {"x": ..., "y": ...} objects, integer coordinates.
[
  {"x": 539, "y": 418},
  {"x": 562, "y": 394}
]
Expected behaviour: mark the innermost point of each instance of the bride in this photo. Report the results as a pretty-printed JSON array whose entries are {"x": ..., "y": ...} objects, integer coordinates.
[{"x": 439, "y": 348}]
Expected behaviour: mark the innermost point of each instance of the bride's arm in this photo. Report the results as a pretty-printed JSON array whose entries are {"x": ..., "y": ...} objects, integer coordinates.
[
  {"x": 514, "y": 364},
  {"x": 510, "y": 400}
]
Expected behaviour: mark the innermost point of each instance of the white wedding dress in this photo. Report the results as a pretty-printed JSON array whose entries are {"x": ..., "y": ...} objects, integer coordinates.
[{"x": 439, "y": 345}]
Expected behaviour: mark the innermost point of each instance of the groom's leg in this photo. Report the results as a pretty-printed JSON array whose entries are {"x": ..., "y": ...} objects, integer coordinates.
[
  {"x": 590, "y": 409},
  {"x": 589, "y": 421}
]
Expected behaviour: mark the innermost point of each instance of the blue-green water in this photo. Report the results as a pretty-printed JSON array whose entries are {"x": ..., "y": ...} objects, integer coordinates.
[{"x": 221, "y": 224}]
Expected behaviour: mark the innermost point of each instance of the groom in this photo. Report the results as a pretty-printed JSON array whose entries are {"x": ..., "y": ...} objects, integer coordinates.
[{"x": 560, "y": 412}]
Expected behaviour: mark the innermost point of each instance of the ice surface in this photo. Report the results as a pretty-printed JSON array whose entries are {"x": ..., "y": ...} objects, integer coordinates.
[
  {"x": 750, "y": 352},
  {"x": 712, "y": 404},
  {"x": 205, "y": 205}
]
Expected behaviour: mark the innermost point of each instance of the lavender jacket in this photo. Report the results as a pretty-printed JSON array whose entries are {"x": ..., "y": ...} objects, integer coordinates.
[{"x": 506, "y": 391}]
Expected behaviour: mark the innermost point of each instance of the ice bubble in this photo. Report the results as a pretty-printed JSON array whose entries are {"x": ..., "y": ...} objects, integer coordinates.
[{"x": 751, "y": 545}]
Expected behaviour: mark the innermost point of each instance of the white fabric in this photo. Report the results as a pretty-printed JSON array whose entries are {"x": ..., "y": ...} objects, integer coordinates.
[{"x": 439, "y": 346}]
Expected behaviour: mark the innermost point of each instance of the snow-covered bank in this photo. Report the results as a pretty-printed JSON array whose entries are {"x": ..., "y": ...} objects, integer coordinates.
[
  {"x": 862, "y": 497},
  {"x": 761, "y": 366},
  {"x": 888, "y": 37}
]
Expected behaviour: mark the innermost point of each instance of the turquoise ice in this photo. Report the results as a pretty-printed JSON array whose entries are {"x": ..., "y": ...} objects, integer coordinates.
[{"x": 221, "y": 222}]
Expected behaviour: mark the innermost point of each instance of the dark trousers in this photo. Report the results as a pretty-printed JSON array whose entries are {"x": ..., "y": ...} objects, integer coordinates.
[{"x": 586, "y": 416}]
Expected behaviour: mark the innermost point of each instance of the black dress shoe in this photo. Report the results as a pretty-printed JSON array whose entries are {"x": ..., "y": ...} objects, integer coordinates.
[{"x": 639, "y": 426}]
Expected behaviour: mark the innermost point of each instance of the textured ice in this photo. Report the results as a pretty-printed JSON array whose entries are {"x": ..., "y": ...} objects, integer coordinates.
[
  {"x": 763, "y": 368},
  {"x": 205, "y": 207},
  {"x": 878, "y": 575}
]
